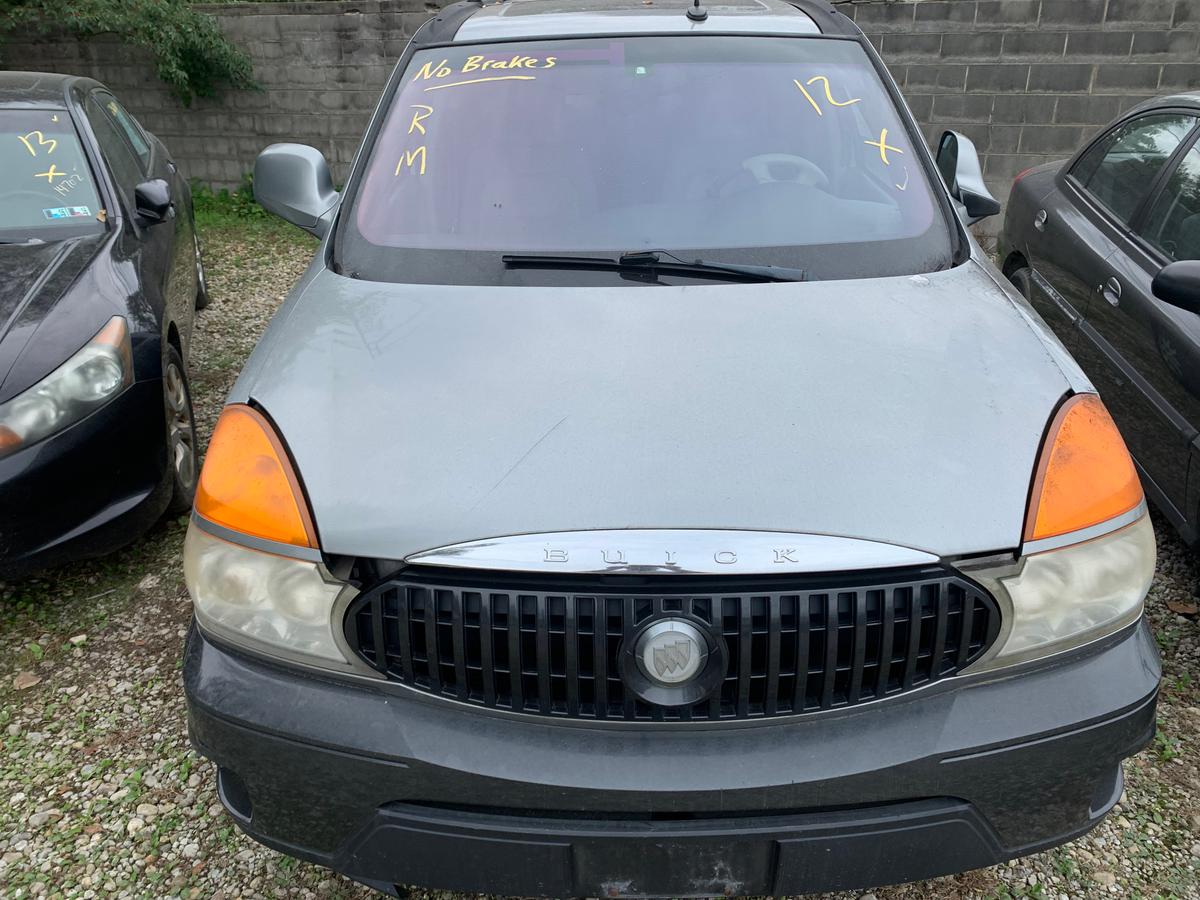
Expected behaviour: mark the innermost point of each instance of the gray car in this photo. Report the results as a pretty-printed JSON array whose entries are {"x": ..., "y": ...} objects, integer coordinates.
[{"x": 650, "y": 488}]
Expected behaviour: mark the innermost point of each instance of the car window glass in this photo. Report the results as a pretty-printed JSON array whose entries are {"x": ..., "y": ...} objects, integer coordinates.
[
  {"x": 1120, "y": 169},
  {"x": 125, "y": 167},
  {"x": 128, "y": 125},
  {"x": 1173, "y": 225},
  {"x": 47, "y": 190},
  {"x": 607, "y": 148}
]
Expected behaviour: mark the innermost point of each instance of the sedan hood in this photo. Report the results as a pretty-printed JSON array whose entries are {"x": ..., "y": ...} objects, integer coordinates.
[
  {"x": 907, "y": 410},
  {"x": 35, "y": 278}
]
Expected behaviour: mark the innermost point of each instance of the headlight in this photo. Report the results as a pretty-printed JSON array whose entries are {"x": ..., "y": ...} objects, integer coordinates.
[
  {"x": 270, "y": 604},
  {"x": 84, "y": 383},
  {"x": 281, "y": 603},
  {"x": 1088, "y": 555},
  {"x": 1061, "y": 599}
]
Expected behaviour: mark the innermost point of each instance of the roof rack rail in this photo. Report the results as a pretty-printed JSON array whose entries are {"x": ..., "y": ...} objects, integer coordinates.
[{"x": 823, "y": 12}]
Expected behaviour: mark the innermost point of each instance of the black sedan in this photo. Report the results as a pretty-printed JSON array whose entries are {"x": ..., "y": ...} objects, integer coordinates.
[
  {"x": 100, "y": 277},
  {"x": 1106, "y": 247}
]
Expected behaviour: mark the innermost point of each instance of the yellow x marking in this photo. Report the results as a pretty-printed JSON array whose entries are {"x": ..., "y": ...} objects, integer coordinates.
[
  {"x": 884, "y": 147},
  {"x": 51, "y": 175}
]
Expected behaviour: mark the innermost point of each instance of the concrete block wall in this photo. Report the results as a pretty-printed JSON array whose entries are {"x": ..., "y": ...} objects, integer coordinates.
[
  {"x": 321, "y": 67},
  {"x": 1029, "y": 80},
  {"x": 1026, "y": 80}
]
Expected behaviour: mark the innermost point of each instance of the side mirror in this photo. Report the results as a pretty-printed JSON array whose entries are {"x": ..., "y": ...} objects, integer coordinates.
[
  {"x": 1179, "y": 285},
  {"x": 152, "y": 202},
  {"x": 958, "y": 163},
  {"x": 293, "y": 181}
]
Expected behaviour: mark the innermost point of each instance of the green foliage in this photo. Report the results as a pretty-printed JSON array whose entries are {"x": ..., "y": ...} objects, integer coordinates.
[
  {"x": 238, "y": 213},
  {"x": 227, "y": 206},
  {"x": 191, "y": 54}
]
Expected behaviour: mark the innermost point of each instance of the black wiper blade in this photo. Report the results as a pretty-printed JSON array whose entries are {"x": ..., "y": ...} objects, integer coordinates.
[
  {"x": 656, "y": 259},
  {"x": 654, "y": 262}
]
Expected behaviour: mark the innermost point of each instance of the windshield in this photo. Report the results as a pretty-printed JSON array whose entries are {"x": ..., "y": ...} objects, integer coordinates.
[
  {"x": 780, "y": 151},
  {"x": 46, "y": 187}
]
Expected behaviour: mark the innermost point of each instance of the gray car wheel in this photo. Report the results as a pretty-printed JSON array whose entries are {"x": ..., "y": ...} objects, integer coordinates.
[{"x": 181, "y": 434}]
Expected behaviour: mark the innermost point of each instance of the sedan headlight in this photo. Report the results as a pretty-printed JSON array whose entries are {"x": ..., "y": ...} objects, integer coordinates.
[{"x": 81, "y": 385}]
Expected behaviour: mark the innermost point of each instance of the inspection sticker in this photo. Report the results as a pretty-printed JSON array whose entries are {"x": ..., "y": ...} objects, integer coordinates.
[{"x": 67, "y": 212}]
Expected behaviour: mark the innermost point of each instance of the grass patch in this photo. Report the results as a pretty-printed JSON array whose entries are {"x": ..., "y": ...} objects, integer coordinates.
[{"x": 237, "y": 211}]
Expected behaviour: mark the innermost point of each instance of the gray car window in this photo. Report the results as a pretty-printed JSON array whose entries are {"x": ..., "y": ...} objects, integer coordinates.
[
  {"x": 1120, "y": 169},
  {"x": 1173, "y": 225}
]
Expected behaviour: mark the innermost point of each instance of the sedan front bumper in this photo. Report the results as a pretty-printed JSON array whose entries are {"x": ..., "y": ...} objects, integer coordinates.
[
  {"x": 89, "y": 489},
  {"x": 391, "y": 787}
]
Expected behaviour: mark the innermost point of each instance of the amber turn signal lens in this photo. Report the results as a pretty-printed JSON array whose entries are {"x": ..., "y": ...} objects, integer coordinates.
[
  {"x": 1085, "y": 475},
  {"x": 248, "y": 484}
]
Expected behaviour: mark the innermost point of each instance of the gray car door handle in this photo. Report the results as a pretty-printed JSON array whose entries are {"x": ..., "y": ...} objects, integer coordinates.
[
  {"x": 1039, "y": 221},
  {"x": 1111, "y": 290}
]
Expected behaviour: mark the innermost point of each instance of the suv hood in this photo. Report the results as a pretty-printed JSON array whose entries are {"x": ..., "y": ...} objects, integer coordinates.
[{"x": 907, "y": 410}]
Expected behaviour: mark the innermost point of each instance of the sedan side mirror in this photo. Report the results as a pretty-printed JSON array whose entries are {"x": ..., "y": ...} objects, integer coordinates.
[
  {"x": 958, "y": 163},
  {"x": 1179, "y": 285},
  {"x": 293, "y": 181},
  {"x": 152, "y": 202}
]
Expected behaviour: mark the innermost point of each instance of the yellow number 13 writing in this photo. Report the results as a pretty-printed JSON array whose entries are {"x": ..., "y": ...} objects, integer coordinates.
[{"x": 42, "y": 141}]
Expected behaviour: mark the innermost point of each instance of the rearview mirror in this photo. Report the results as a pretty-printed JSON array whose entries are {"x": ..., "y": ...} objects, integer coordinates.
[
  {"x": 293, "y": 181},
  {"x": 1179, "y": 285},
  {"x": 152, "y": 202},
  {"x": 958, "y": 163}
]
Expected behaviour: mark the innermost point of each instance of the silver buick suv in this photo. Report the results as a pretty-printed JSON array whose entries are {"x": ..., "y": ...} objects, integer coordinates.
[{"x": 651, "y": 489}]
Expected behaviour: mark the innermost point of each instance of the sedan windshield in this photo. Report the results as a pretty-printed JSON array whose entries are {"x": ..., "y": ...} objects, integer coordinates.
[
  {"x": 46, "y": 187},
  {"x": 777, "y": 151}
]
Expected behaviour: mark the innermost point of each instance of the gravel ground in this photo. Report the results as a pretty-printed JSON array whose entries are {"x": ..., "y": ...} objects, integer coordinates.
[{"x": 101, "y": 795}]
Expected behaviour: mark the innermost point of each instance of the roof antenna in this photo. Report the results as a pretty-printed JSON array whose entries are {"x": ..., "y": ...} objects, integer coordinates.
[{"x": 696, "y": 12}]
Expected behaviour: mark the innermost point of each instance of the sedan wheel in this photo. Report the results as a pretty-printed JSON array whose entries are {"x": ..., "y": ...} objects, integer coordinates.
[
  {"x": 202, "y": 298},
  {"x": 181, "y": 433},
  {"x": 1022, "y": 280}
]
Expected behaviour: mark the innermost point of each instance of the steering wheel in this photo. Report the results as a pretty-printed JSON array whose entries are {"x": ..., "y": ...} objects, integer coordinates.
[
  {"x": 24, "y": 197},
  {"x": 785, "y": 167},
  {"x": 12, "y": 195}
]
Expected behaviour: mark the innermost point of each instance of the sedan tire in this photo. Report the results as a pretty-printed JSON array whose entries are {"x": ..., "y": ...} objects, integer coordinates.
[
  {"x": 182, "y": 455},
  {"x": 202, "y": 298},
  {"x": 1022, "y": 280}
]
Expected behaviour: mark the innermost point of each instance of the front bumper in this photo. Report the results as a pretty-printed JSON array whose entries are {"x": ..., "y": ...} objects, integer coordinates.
[
  {"x": 391, "y": 787},
  {"x": 89, "y": 489}
]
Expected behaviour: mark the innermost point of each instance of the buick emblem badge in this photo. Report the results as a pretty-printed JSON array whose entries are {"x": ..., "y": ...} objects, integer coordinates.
[{"x": 671, "y": 652}]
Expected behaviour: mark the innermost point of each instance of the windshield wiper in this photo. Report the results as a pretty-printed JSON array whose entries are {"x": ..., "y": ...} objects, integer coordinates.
[{"x": 655, "y": 262}]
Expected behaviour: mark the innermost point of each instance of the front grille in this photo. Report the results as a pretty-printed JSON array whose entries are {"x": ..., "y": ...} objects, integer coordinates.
[{"x": 554, "y": 647}]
